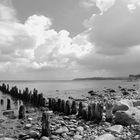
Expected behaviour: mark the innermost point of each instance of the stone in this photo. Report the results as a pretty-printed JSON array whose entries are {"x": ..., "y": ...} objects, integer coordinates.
[
  {"x": 28, "y": 126},
  {"x": 106, "y": 137},
  {"x": 6, "y": 138},
  {"x": 21, "y": 135},
  {"x": 53, "y": 137},
  {"x": 61, "y": 130},
  {"x": 8, "y": 113},
  {"x": 137, "y": 137},
  {"x": 33, "y": 134},
  {"x": 136, "y": 102},
  {"x": 122, "y": 105},
  {"x": 80, "y": 129},
  {"x": 30, "y": 119},
  {"x": 77, "y": 137},
  {"x": 129, "y": 117},
  {"x": 44, "y": 138},
  {"x": 115, "y": 129}
]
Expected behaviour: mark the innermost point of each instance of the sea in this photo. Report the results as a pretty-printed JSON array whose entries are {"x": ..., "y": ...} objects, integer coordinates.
[
  {"x": 67, "y": 87},
  {"x": 62, "y": 89}
]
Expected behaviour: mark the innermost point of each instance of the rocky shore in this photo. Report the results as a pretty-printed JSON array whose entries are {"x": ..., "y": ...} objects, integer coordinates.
[{"x": 104, "y": 115}]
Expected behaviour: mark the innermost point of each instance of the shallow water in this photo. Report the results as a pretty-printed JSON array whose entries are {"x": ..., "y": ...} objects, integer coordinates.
[{"x": 65, "y": 88}]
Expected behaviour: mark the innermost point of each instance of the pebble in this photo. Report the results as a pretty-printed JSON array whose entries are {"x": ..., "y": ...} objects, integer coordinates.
[
  {"x": 61, "y": 130},
  {"x": 116, "y": 129},
  {"x": 33, "y": 134},
  {"x": 106, "y": 137},
  {"x": 27, "y": 126},
  {"x": 44, "y": 138},
  {"x": 77, "y": 137},
  {"x": 30, "y": 119}
]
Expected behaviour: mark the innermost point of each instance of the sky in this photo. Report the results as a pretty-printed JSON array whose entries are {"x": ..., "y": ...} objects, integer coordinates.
[{"x": 66, "y": 39}]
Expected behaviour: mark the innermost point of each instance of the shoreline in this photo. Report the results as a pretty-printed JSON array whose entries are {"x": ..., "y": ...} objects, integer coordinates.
[{"x": 63, "y": 124}]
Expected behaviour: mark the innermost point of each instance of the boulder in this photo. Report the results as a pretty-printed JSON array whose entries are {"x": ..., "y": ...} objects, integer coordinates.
[
  {"x": 122, "y": 105},
  {"x": 61, "y": 130},
  {"x": 44, "y": 138},
  {"x": 28, "y": 126},
  {"x": 33, "y": 134},
  {"x": 106, "y": 137},
  {"x": 80, "y": 129},
  {"x": 6, "y": 138},
  {"x": 136, "y": 102},
  {"x": 8, "y": 113},
  {"x": 129, "y": 117},
  {"x": 77, "y": 137},
  {"x": 117, "y": 129}
]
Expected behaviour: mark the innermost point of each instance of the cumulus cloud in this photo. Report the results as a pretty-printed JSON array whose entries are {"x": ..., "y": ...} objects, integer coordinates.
[
  {"x": 34, "y": 45},
  {"x": 35, "y": 49},
  {"x": 116, "y": 30},
  {"x": 115, "y": 33}
]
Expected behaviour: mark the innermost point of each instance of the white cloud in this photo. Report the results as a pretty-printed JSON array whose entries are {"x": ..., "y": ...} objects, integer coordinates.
[
  {"x": 34, "y": 45},
  {"x": 104, "y": 5}
]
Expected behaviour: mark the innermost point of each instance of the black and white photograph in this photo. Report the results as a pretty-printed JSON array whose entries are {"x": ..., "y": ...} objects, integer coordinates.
[{"x": 69, "y": 69}]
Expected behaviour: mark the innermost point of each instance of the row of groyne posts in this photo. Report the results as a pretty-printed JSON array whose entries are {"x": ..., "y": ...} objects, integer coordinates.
[{"x": 88, "y": 111}]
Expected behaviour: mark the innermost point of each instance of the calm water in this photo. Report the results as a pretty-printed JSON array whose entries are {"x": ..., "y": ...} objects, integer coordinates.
[
  {"x": 55, "y": 87},
  {"x": 62, "y": 89}
]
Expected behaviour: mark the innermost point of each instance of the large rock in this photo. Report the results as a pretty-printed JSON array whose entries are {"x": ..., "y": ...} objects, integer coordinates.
[
  {"x": 136, "y": 102},
  {"x": 117, "y": 129},
  {"x": 6, "y": 138},
  {"x": 62, "y": 130},
  {"x": 122, "y": 105},
  {"x": 8, "y": 113},
  {"x": 131, "y": 116},
  {"x": 80, "y": 129},
  {"x": 44, "y": 138},
  {"x": 33, "y": 134},
  {"x": 106, "y": 137},
  {"x": 77, "y": 137}
]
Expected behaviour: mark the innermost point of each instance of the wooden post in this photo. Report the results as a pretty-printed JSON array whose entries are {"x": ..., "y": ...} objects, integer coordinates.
[
  {"x": 80, "y": 109},
  {"x": 8, "y": 104},
  {"x": 59, "y": 105},
  {"x": 63, "y": 106},
  {"x": 1, "y": 101},
  {"x": 85, "y": 114},
  {"x": 54, "y": 104},
  {"x": 21, "y": 112},
  {"x": 67, "y": 108},
  {"x": 89, "y": 112},
  {"x": 98, "y": 111},
  {"x": 50, "y": 103},
  {"x": 46, "y": 124},
  {"x": 73, "y": 108}
]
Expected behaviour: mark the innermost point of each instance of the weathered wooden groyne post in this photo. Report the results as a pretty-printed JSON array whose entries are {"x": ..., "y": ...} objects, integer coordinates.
[
  {"x": 73, "y": 108},
  {"x": 67, "y": 108},
  {"x": 8, "y": 104},
  {"x": 80, "y": 109},
  {"x": 89, "y": 113},
  {"x": 46, "y": 124},
  {"x": 63, "y": 106},
  {"x": 1, "y": 101},
  {"x": 21, "y": 112},
  {"x": 59, "y": 105},
  {"x": 50, "y": 103}
]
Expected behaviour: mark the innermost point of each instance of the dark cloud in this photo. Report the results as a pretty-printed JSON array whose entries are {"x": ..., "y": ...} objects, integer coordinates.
[{"x": 116, "y": 30}]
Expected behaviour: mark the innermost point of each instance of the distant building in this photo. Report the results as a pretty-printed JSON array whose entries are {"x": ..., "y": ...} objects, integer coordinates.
[{"x": 134, "y": 77}]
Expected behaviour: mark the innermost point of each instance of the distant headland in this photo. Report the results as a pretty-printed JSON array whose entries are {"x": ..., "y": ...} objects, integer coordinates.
[{"x": 130, "y": 77}]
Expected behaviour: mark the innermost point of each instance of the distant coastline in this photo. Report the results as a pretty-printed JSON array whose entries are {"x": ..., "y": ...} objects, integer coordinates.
[
  {"x": 103, "y": 78},
  {"x": 129, "y": 78}
]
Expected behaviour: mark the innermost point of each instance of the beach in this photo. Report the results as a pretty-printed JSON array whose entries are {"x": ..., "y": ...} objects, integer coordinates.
[{"x": 67, "y": 126}]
